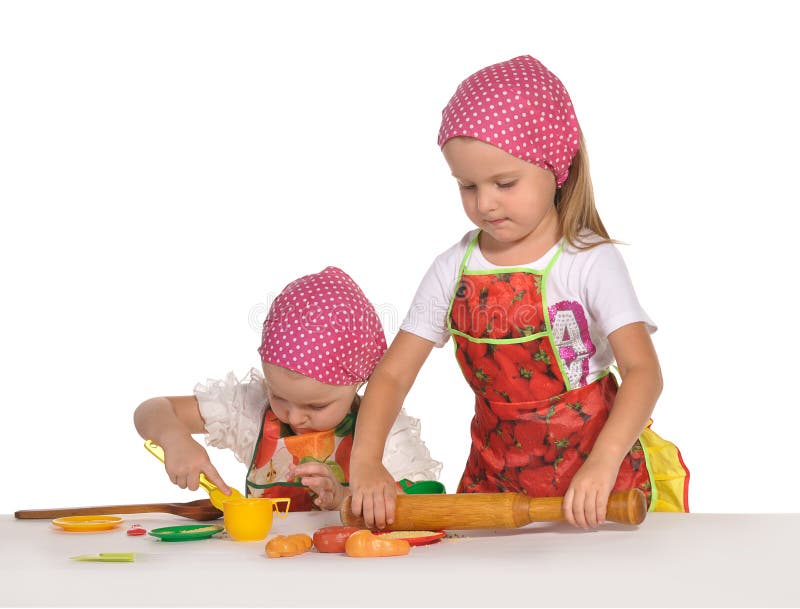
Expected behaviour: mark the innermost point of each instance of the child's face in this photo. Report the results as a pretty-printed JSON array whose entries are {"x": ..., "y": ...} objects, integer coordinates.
[
  {"x": 505, "y": 196},
  {"x": 306, "y": 404}
]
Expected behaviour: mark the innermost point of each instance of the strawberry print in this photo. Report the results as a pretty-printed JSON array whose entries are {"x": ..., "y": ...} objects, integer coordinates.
[
  {"x": 530, "y": 434},
  {"x": 270, "y": 434}
]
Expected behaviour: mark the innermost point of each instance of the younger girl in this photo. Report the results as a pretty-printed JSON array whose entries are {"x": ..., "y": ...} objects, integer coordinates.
[
  {"x": 321, "y": 341},
  {"x": 539, "y": 304}
]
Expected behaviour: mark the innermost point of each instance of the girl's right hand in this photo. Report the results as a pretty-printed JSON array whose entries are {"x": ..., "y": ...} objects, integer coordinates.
[
  {"x": 185, "y": 459},
  {"x": 373, "y": 493}
]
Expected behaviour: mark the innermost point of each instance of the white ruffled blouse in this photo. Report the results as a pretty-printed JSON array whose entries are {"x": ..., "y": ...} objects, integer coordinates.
[{"x": 233, "y": 411}]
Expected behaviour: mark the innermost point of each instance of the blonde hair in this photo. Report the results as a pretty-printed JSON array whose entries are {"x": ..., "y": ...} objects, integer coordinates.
[{"x": 575, "y": 204}]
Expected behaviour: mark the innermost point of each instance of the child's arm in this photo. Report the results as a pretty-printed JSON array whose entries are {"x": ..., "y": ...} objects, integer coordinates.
[
  {"x": 170, "y": 423},
  {"x": 371, "y": 485},
  {"x": 585, "y": 500}
]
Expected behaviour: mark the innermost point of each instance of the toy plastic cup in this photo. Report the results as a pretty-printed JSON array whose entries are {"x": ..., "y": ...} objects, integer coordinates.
[{"x": 250, "y": 519}]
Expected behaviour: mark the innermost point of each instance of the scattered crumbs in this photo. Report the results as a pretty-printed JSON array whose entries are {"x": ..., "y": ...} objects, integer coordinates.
[{"x": 201, "y": 529}]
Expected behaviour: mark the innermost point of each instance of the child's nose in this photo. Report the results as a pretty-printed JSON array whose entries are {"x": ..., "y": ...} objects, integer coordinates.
[
  {"x": 296, "y": 417},
  {"x": 484, "y": 201}
]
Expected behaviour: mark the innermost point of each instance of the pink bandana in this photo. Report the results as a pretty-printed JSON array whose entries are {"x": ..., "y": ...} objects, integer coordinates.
[
  {"x": 520, "y": 107},
  {"x": 323, "y": 327}
]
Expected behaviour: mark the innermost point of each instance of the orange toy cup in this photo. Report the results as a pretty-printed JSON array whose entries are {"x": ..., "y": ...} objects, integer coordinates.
[{"x": 250, "y": 519}]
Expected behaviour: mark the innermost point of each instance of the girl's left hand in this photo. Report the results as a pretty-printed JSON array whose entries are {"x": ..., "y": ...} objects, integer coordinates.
[
  {"x": 319, "y": 478},
  {"x": 586, "y": 499}
]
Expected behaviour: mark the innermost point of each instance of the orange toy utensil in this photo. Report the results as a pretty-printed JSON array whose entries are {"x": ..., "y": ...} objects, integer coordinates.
[
  {"x": 491, "y": 511},
  {"x": 217, "y": 496}
]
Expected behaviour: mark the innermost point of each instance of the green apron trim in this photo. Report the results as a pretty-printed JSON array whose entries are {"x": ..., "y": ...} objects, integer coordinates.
[
  {"x": 461, "y": 269},
  {"x": 499, "y": 341},
  {"x": 271, "y": 484},
  {"x": 255, "y": 452},
  {"x": 546, "y": 312},
  {"x": 505, "y": 269}
]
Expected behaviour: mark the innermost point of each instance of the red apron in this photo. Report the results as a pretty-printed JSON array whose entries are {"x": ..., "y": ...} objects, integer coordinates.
[{"x": 531, "y": 431}]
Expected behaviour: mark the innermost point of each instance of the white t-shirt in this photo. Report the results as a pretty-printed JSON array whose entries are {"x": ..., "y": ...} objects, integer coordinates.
[
  {"x": 233, "y": 411},
  {"x": 589, "y": 295}
]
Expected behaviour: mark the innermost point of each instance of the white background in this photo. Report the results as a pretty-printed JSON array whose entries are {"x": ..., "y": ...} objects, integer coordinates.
[{"x": 167, "y": 167}]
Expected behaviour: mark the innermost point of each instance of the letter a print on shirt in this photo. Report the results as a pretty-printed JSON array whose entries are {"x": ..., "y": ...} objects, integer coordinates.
[{"x": 572, "y": 340}]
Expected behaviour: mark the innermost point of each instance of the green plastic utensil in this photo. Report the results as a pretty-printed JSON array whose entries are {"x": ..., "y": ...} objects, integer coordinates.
[
  {"x": 105, "y": 557},
  {"x": 217, "y": 496}
]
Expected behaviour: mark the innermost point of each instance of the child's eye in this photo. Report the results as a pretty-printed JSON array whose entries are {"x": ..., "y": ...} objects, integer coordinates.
[
  {"x": 506, "y": 184},
  {"x": 319, "y": 406},
  {"x": 466, "y": 186}
]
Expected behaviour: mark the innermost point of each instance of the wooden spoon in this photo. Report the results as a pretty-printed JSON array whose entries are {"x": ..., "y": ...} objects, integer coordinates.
[
  {"x": 491, "y": 511},
  {"x": 196, "y": 510}
]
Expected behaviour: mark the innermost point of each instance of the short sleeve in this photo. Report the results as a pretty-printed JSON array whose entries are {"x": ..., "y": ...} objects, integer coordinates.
[
  {"x": 609, "y": 292},
  {"x": 233, "y": 411},
  {"x": 427, "y": 316},
  {"x": 405, "y": 454}
]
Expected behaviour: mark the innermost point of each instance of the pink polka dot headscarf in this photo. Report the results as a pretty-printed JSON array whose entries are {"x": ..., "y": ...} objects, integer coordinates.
[
  {"x": 522, "y": 108},
  {"x": 323, "y": 327}
]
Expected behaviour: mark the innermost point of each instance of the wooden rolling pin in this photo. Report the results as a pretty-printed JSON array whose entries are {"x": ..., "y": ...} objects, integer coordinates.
[{"x": 491, "y": 511}]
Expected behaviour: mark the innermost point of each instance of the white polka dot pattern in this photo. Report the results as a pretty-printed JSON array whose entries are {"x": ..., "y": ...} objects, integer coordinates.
[
  {"x": 323, "y": 327},
  {"x": 520, "y": 107}
]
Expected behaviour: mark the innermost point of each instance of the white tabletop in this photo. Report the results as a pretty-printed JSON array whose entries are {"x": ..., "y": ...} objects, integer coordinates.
[{"x": 670, "y": 560}]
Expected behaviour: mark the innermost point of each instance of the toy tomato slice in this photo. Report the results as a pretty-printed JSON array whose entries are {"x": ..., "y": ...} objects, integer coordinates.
[{"x": 332, "y": 539}]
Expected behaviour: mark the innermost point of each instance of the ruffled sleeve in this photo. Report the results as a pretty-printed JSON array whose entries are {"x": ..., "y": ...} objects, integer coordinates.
[
  {"x": 405, "y": 454},
  {"x": 233, "y": 411}
]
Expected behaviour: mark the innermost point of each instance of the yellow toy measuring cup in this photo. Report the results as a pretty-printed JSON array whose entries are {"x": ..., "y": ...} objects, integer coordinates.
[
  {"x": 217, "y": 496},
  {"x": 250, "y": 519}
]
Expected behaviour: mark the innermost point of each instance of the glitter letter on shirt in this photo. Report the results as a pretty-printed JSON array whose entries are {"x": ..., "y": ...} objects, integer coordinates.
[{"x": 571, "y": 337}]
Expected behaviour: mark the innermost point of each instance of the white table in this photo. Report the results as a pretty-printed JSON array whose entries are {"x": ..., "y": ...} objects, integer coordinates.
[{"x": 670, "y": 560}]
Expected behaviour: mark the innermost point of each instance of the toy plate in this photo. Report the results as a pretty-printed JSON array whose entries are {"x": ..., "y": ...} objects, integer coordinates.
[
  {"x": 79, "y": 524},
  {"x": 189, "y": 532},
  {"x": 415, "y": 538}
]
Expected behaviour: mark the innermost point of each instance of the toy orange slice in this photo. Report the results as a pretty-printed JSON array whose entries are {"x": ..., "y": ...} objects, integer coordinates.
[{"x": 317, "y": 444}]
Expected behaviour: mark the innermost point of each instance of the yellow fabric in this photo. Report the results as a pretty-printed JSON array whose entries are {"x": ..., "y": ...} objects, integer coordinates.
[{"x": 667, "y": 472}]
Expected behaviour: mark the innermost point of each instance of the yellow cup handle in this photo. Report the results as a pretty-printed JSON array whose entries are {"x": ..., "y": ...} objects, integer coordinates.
[{"x": 275, "y": 502}]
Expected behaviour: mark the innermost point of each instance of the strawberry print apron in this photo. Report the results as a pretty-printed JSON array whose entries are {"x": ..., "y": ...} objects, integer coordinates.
[
  {"x": 533, "y": 427},
  {"x": 278, "y": 447}
]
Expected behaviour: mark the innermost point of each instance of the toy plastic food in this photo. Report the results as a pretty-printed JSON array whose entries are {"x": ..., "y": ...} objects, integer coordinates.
[
  {"x": 288, "y": 545},
  {"x": 332, "y": 539},
  {"x": 414, "y": 538},
  {"x": 363, "y": 544}
]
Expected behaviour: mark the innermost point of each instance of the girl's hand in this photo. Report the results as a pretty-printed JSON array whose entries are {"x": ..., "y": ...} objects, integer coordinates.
[
  {"x": 374, "y": 491},
  {"x": 320, "y": 479},
  {"x": 586, "y": 499},
  {"x": 185, "y": 460}
]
